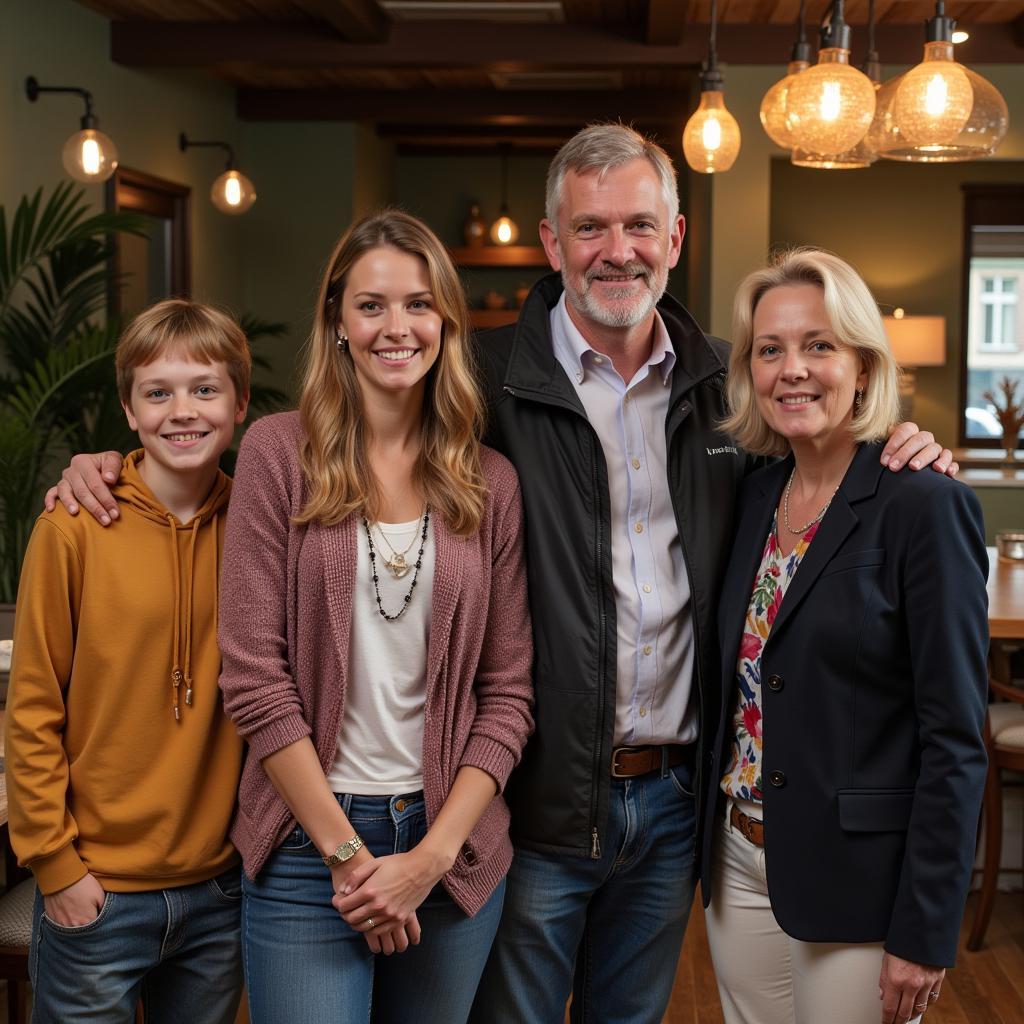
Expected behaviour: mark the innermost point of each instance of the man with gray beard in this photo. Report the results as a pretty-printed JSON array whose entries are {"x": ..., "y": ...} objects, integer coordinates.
[{"x": 606, "y": 396}]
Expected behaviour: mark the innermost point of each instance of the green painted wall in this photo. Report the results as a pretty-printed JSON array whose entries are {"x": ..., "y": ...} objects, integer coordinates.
[{"x": 62, "y": 43}]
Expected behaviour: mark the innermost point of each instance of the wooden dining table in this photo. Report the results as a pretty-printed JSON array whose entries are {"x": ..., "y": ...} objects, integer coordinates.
[{"x": 1005, "y": 598}]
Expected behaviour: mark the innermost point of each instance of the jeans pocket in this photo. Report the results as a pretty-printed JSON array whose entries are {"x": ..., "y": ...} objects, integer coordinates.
[
  {"x": 682, "y": 779},
  {"x": 296, "y": 839},
  {"x": 227, "y": 887},
  {"x": 81, "y": 929}
]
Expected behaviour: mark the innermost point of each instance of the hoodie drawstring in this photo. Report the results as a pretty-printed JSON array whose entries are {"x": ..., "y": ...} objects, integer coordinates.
[{"x": 182, "y": 672}]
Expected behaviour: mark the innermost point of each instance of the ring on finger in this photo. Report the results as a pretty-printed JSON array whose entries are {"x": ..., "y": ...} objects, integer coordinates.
[
  {"x": 369, "y": 921},
  {"x": 920, "y": 1007},
  {"x": 933, "y": 995}
]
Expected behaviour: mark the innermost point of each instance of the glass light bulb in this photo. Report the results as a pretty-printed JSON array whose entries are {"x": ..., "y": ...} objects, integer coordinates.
[
  {"x": 711, "y": 138},
  {"x": 978, "y": 136},
  {"x": 233, "y": 193},
  {"x": 504, "y": 230},
  {"x": 774, "y": 112},
  {"x": 830, "y": 105},
  {"x": 934, "y": 100},
  {"x": 89, "y": 156}
]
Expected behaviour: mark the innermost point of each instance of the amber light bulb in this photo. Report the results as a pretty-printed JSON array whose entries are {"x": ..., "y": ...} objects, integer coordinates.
[
  {"x": 233, "y": 193},
  {"x": 711, "y": 138}
]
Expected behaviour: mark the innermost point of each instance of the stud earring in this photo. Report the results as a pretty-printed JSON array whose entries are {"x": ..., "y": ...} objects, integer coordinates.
[{"x": 342, "y": 341}]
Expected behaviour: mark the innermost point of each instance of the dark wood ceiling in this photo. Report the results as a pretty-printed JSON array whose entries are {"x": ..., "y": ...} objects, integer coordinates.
[{"x": 472, "y": 72}]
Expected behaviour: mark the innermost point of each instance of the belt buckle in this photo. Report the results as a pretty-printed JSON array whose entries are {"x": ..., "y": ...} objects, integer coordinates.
[{"x": 618, "y": 773}]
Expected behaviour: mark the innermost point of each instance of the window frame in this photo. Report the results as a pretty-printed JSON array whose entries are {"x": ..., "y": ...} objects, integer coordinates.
[{"x": 983, "y": 204}]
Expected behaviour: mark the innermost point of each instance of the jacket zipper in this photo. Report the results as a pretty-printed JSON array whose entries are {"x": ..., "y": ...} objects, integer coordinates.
[
  {"x": 595, "y": 841},
  {"x": 685, "y": 408}
]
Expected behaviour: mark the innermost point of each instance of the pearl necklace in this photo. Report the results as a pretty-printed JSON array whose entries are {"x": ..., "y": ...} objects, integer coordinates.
[{"x": 785, "y": 508}]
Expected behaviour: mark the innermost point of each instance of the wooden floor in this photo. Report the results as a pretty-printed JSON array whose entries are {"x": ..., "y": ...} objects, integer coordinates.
[{"x": 986, "y": 987}]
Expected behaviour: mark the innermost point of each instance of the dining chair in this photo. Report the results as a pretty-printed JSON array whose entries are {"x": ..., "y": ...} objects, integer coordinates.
[
  {"x": 1004, "y": 740},
  {"x": 15, "y": 936}
]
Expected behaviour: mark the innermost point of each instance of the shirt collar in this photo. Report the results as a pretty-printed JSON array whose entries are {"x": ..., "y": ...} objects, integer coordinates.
[{"x": 575, "y": 354}]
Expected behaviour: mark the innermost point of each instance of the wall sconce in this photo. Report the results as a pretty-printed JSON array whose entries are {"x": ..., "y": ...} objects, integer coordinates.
[
  {"x": 89, "y": 155},
  {"x": 232, "y": 192},
  {"x": 915, "y": 341},
  {"x": 504, "y": 231}
]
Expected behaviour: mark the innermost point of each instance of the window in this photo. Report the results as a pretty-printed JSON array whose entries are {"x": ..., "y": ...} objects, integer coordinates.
[{"x": 993, "y": 314}]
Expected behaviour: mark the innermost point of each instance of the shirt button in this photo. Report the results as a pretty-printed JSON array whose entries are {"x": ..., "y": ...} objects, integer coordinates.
[
  {"x": 777, "y": 778},
  {"x": 775, "y": 683},
  {"x": 647, "y": 588},
  {"x": 636, "y": 463},
  {"x": 647, "y": 648},
  {"x": 643, "y": 712},
  {"x": 638, "y": 527},
  {"x": 599, "y": 360},
  {"x": 579, "y": 376}
]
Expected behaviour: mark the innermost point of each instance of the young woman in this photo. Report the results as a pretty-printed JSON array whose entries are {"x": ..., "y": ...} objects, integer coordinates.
[
  {"x": 377, "y": 651},
  {"x": 849, "y": 764}
]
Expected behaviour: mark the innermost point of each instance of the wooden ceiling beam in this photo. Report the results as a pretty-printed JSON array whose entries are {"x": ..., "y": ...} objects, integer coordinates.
[
  {"x": 359, "y": 21},
  {"x": 517, "y": 47},
  {"x": 666, "y": 20},
  {"x": 483, "y": 107}
]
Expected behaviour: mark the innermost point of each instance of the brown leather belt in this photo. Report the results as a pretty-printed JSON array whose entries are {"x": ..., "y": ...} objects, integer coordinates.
[
  {"x": 750, "y": 828},
  {"x": 629, "y": 762}
]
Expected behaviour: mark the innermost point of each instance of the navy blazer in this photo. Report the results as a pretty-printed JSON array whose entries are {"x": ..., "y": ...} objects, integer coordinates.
[{"x": 874, "y": 687}]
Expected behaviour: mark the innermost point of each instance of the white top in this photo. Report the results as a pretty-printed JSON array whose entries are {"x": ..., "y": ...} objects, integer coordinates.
[
  {"x": 380, "y": 744},
  {"x": 654, "y": 658}
]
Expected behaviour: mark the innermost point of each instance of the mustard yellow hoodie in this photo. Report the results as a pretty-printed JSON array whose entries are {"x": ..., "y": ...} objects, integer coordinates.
[{"x": 111, "y": 767}]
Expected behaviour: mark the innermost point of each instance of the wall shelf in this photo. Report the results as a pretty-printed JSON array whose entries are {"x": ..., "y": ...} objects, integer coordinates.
[
  {"x": 481, "y": 319},
  {"x": 500, "y": 256}
]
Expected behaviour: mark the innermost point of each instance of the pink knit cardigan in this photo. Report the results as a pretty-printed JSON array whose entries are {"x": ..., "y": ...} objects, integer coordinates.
[{"x": 285, "y": 618}]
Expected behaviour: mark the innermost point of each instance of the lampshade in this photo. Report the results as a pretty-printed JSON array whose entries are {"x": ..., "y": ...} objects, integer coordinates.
[
  {"x": 830, "y": 105},
  {"x": 862, "y": 155},
  {"x": 89, "y": 155},
  {"x": 775, "y": 106},
  {"x": 232, "y": 193},
  {"x": 917, "y": 340},
  {"x": 711, "y": 138},
  {"x": 939, "y": 111}
]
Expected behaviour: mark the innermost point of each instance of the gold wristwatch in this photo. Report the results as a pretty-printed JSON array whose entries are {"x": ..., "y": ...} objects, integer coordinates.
[{"x": 345, "y": 851}]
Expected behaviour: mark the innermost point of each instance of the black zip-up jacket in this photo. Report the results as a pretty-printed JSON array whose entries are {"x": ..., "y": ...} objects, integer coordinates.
[{"x": 559, "y": 793}]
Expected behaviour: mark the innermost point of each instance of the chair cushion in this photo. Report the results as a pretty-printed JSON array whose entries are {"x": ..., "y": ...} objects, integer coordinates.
[
  {"x": 16, "y": 914},
  {"x": 1007, "y": 723}
]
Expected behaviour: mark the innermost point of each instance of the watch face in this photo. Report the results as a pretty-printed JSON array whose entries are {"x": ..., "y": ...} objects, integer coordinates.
[{"x": 345, "y": 851}]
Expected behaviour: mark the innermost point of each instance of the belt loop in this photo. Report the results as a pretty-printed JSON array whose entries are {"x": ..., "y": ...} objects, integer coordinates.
[
  {"x": 664, "y": 761},
  {"x": 345, "y": 799}
]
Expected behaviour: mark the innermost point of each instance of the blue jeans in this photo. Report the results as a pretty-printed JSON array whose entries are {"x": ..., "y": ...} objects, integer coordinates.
[
  {"x": 179, "y": 950},
  {"x": 608, "y": 930},
  {"x": 304, "y": 963}
]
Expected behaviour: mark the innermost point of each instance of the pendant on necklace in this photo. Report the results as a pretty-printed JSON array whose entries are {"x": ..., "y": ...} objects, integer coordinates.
[{"x": 397, "y": 566}]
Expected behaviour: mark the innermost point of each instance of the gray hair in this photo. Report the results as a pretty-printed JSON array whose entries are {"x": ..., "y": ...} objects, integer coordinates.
[{"x": 602, "y": 147}]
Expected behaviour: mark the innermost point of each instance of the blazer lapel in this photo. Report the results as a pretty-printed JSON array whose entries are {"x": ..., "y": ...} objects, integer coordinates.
[
  {"x": 748, "y": 547},
  {"x": 861, "y": 481}
]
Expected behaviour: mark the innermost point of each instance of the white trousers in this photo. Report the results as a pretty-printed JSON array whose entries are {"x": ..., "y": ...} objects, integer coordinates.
[{"x": 766, "y": 977}]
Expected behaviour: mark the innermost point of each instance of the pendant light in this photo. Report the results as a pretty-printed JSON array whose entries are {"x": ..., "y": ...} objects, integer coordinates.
[
  {"x": 232, "y": 192},
  {"x": 711, "y": 138},
  {"x": 862, "y": 155},
  {"x": 89, "y": 155},
  {"x": 831, "y": 104},
  {"x": 504, "y": 231},
  {"x": 939, "y": 111},
  {"x": 775, "y": 105}
]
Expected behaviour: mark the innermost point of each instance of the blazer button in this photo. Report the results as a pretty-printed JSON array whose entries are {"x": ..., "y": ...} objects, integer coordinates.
[
  {"x": 775, "y": 683},
  {"x": 777, "y": 778}
]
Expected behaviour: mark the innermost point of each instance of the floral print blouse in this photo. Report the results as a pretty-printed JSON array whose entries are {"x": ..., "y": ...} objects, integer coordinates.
[{"x": 743, "y": 777}]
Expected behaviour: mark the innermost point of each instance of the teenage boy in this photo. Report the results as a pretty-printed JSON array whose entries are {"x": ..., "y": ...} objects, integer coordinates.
[{"x": 121, "y": 765}]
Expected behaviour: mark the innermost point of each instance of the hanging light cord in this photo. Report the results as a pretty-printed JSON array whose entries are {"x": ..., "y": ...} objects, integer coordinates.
[{"x": 712, "y": 44}]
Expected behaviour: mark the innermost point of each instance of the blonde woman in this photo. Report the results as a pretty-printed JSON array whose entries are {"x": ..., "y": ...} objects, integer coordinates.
[
  {"x": 847, "y": 772},
  {"x": 377, "y": 651}
]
